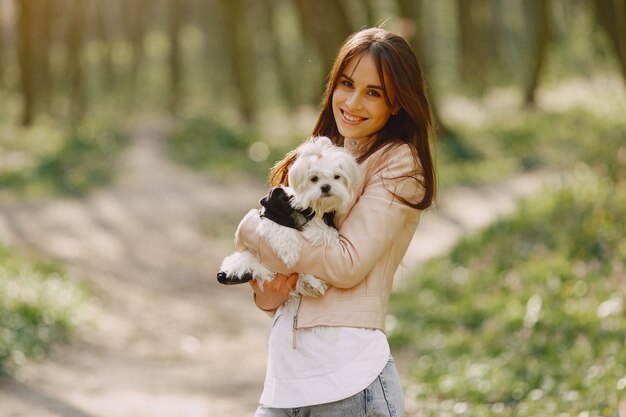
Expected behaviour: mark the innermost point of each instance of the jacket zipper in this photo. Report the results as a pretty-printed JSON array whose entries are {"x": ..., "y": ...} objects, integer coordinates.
[{"x": 295, "y": 324}]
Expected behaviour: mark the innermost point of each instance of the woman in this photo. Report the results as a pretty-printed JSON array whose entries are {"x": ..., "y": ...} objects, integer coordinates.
[{"x": 374, "y": 105}]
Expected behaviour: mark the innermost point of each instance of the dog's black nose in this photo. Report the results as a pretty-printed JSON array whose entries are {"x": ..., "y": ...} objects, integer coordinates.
[{"x": 325, "y": 188}]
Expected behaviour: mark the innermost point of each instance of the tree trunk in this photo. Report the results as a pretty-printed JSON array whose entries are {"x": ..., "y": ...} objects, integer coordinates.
[
  {"x": 74, "y": 60},
  {"x": 467, "y": 40},
  {"x": 45, "y": 18},
  {"x": 136, "y": 18},
  {"x": 370, "y": 17},
  {"x": 412, "y": 13},
  {"x": 541, "y": 27},
  {"x": 283, "y": 73},
  {"x": 2, "y": 48},
  {"x": 340, "y": 14},
  {"x": 102, "y": 33},
  {"x": 213, "y": 26},
  {"x": 473, "y": 23},
  {"x": 25, "y": 58},
  {"x": 328, "y": 36},
  {"x": 176, "y": 12},
  {"x": 612, "y": 17},
  {"x": 240, "y": 55}
]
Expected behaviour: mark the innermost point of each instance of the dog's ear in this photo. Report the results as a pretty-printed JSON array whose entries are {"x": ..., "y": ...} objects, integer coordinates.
[{"x": 297, "y": 172}]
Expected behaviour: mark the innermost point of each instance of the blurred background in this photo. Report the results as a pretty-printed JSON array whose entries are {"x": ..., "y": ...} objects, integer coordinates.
[{"x": 134, "y": 135}]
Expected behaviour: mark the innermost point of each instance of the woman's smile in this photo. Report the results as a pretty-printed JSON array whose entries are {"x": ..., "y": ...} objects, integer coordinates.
[{"x": 351, "y": 118}]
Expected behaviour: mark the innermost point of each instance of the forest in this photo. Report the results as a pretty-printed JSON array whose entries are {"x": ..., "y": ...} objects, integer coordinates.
[{"x": 63, "y": 57}]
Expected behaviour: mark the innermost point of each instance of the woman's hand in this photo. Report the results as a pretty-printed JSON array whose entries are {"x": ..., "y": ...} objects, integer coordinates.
[{"x": 275, "y": 292}]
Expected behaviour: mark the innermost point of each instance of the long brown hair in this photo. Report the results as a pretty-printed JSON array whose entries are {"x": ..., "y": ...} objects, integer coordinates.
[{"x": 412, "y": 125}]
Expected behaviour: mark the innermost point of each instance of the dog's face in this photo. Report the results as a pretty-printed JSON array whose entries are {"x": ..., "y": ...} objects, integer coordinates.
[{"x": 323, "y": 176}]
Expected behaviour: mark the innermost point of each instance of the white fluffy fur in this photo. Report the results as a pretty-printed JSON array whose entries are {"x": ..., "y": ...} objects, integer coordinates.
[{"x": 322, "y": 178}]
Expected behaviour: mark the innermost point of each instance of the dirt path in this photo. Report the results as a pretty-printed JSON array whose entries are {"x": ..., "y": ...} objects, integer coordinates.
[{"x": 168, "y": 340}]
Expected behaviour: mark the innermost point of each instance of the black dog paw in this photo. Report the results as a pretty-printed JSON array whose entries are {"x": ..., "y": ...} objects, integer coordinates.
[{"x": 225, "y": 279}]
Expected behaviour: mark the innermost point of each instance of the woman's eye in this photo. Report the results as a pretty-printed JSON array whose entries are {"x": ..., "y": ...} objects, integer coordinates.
[
  {"x": 314, "y": 179},
  {"x": 337, "y": 177},
  {"x": 373, "y": 93},
  {"x": 346, "y": 83}
]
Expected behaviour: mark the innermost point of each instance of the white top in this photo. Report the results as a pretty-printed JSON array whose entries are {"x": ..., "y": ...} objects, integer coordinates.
[{"x": 329, "y": 364}]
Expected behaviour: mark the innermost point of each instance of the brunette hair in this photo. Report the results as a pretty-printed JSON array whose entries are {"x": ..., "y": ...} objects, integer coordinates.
[{"x": 412, "y": 125}]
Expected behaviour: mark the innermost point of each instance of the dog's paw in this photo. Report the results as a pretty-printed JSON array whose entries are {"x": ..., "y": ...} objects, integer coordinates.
[
  {"x": 241, "y": 267},
  {"x": 226, "y": 279},
  {"x": 309, "y": 286}
]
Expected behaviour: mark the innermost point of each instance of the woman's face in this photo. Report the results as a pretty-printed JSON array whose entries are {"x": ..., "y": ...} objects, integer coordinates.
[{"x": 359, "y": 105}]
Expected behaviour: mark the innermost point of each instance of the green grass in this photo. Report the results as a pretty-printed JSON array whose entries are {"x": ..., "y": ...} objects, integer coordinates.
[
  {"x": 56, "y": 161},
  {"x": 528, "y": 317},
  {"x": 39, "y": 306},
  {"x": 205, "y": 144},
  {"x": 530, "y": 140},
  {"x": 501, "y": 148}
]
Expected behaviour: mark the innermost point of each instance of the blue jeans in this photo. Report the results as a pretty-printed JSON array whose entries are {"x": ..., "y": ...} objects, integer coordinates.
[{"x": 382, "y": 398}]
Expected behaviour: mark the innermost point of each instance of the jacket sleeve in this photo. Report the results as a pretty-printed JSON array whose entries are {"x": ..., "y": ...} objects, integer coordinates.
[{"x": 366, "y": 234}]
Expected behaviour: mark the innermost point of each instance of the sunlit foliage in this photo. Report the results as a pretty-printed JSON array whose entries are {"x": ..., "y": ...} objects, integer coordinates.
[
  {"x": 527, "y": 318},
  {"x": 48, "y": 160},
  {"x": 39, "y": 306},
  {"x": 205, "y": 144}
]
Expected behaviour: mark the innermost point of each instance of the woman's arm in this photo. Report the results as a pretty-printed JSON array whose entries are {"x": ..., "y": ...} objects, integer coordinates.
[{"x": 366, "y": 234}]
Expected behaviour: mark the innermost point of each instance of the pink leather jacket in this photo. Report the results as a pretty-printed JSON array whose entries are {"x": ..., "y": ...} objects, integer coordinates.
[{"x": 374, "y": 233}]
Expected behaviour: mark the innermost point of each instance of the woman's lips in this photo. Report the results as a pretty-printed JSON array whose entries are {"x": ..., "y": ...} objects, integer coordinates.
[{"x": 350, "y": 118}]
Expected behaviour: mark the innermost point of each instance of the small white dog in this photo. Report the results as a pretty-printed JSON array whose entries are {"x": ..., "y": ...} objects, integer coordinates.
[{"x": 321, "y": 185}]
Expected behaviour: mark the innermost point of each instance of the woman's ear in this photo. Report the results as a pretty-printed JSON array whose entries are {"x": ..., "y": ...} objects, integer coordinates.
[{"x": 396, "y": 108}]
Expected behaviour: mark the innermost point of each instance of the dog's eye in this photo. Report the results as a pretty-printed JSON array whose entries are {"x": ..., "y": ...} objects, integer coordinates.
[
  {"x": 314, "y": 179},
  {"x": 337, "y": 177}
]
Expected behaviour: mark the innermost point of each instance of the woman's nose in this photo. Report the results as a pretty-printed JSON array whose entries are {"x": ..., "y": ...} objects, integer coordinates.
[{"x": 354, "y": 101}]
